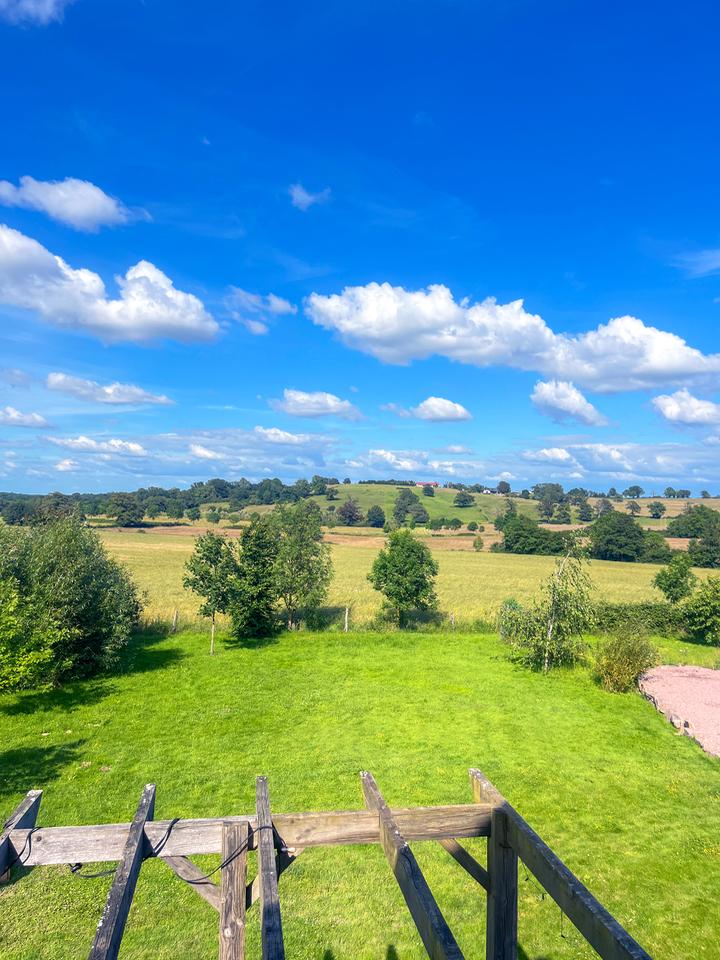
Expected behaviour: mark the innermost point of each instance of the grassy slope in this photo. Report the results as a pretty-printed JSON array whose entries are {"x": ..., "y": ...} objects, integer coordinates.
[
  {"x": 487, "y": 506},
  {"x": 630, "y": 805},
  {"x": 471, "y": 585}
]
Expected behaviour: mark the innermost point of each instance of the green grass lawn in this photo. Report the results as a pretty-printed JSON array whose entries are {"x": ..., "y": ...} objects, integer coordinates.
[
  {"x": 628, "y": 803},
  {"x": 470, "y": 585}
]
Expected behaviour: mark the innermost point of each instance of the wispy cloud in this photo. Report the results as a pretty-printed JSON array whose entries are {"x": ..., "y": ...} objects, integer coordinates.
[
  {"x": 701, "y": 263},
  {"x": 10, "y": 417},
  {"x": 255, "y": 311},
  {"x": 112, "y": 393},
  {"x": 303, "y": 199},
  {"x": 41, "y": 12},
  {"x": 298, "y": 403}
]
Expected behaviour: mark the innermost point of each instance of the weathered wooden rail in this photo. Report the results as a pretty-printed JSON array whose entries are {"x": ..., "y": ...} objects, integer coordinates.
[{"x": 279, "y": 839}]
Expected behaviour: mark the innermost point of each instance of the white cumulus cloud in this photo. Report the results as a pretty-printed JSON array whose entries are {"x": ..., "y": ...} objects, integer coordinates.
[
  {"x": 66, "y": 465},
  {"x": 303, "y": 199},
  {"x": 438, "y": 408},
  {"x": 203, "y": 453},
  {"x": 318, "y": 403},
  {"x": 113, "y": 393},
  {"x": 561, "y": 401},
  {"x": 275, "y": 435},
  {"x": 149, "y": 306},
  {"x": 398, "y": 326},
  {"x": 683, "y": 407},
  {"x": 549, "y": 455},
  {"x": 32, "y": 11},
  {"x": 77, "y": 203},
  {"x": 10, "y": 417},
  {"x": 90, "y": 445}
]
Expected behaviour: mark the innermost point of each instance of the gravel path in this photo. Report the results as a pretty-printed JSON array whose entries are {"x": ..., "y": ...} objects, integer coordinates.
[{"x": 690, "y": 699}]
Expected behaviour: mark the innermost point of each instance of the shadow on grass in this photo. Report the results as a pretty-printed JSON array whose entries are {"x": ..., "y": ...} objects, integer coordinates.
[
  {"x": 251, "y": 643},
  {"x": 138, "y": 657},
  {"x": 33, "y": 768}
]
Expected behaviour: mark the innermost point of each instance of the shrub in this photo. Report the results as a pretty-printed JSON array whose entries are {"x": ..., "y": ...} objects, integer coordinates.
[
  {"x": 621, "y": 660},
  {"x": 706, "y": 551},
  {"x": 654, "y": 617},
  {"x": 694, "y": 522},
  {"x": 523, "y": 535},
  {"x": 702, "y": 612},
  {"x": 472, "y": 525},
  {"x": 68, "y": 610},
  {"x": 478, "y": 544},
  {"x": 676, "y": 581},
  {"x": 376, "y": 516},
  {"x": 655, "y": 548}
]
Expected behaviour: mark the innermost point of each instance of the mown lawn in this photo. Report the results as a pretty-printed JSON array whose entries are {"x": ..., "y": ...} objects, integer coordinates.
[
  {"x": 630, "y": 805},
  {"x": 470, "y": 585}
]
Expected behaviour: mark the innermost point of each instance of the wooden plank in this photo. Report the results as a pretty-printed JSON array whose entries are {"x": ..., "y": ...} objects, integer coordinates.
[
  {"x": 466, "y": 861},
  {"x": 601, "y": 930},
  {"x": 232, "y": 897},
  {"x": 273, "y": 947},
  {"x": 501, "y": 941},
  {"x": 195, "y": 878},
  {"x": 112, "y": 923},
  {"x": 432, "y": 927},
  {"x": 99, "y": 843},
  {"x": 24, "y": 816}
]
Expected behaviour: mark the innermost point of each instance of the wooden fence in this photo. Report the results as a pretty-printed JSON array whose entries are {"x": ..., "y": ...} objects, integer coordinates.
[{"x": 280, "y": 838}]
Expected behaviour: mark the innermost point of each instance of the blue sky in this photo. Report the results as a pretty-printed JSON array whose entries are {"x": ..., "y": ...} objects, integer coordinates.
[{"x": 284, "y": 239}]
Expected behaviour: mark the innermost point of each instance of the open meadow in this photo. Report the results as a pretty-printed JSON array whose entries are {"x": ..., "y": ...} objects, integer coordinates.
[
  {"x": 471, "y": 585},
  {"x": 631, "y": 805}
]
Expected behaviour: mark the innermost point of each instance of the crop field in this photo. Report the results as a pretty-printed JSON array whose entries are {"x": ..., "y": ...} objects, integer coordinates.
[
  {"x": 631, "y": 805},
  {"x": 470, "y": 585}
]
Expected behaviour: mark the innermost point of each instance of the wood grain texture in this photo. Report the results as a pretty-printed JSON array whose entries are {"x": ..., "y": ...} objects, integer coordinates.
[
  {"x": 436, "y": 935},
  {"x": 98, "y": 843},
  {"x": 24, "y": 816},
  {"x": 112, "y": 923},
  {"x": 502, "y": 901},
  {"x": 232, "y": 896},
  {"x": 273, "y": 947}
]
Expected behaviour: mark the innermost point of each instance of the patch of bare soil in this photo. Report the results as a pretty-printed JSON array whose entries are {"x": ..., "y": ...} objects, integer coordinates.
[{"x": 690, "y": 699}]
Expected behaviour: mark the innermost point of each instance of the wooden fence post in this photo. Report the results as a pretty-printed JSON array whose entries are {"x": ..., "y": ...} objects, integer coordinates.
[
  {"x": 174, "y": 620},
  {"x": 502, "y": 900},
  {"x": 347, "y": 616}
]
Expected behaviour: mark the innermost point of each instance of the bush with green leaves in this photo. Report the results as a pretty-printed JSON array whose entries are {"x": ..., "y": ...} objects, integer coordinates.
[
  {"x": 616, "y": 536},
  {"x": 620, "y": 661},
  {"x": 478, "y": 544},
  {"x": 702, "y": 612},
  {"x": 705, "y": 552},
  {"x": 648, "y": 617},
  {"x": 472, "y": 526},
  {"x": 376, "y": 516},
  {"x": 549, "y": 633},
  {"x": 522, "y": 534},
  {"x": 404, "y": 571},
  {"x": 68, "y": 610},
  {"x": 253, "y": 590},
  {"x": 676, "y": 581}
]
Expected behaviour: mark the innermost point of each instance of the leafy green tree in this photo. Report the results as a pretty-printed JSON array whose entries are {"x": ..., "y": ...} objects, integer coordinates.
[
  {"x": 213, "y": 516},
  {"x": 548, "y": 491},
  {"x": 705, "y": 494},
  {"x": 503, "y": 487},
  {"x": 303, "y": 565},
  {"x": 676, "y": 581},
  {"x": 585, "y": 512},
  {"x": 657, "y": 509},
  {"x": 405, "y": 502},
  {"x": 508, "y": 513},
  {"x": 253, "y": 589},
  {"x": 616, "y": 536},
  {"x": 603, "y": 507},
  {"x": 547, "y": 508},
  {"x": 702, "y": 611},
  {"x": 655, "y": 548},
  {"x": 376, "y": 516},
  {"x": 332, "y": 493},
  {"x": 705, "y": 552},
  {"x": 404, "y": 571},
  {"x": 670, "y": 493},
  {"x": 417, "y": 513},
  {"x": 193, "y": 513},
  {"x": 633, "y": 508},
  {"x": 562, "y": 513},
  {"x": 523, "y": 535},
  {"x": 209, "y": 573},
  {"x": 472, "y": 526},
  {"x": 463, "y": 499},
  {"x": 428, "y": 491},
  {"x": 633, "y": 492},
  {"x": 454, "y": 523},
  {"x": 695, "y": 521},
  {"x": 66, "y": 609},
  {"x": 349, "y": 513},
  {"x": 126, "y": 510},
  {"x": 550, "y": 632}
]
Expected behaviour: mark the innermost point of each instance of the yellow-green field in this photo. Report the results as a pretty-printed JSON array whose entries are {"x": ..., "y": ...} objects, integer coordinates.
[{"x": 470, "y": 585}]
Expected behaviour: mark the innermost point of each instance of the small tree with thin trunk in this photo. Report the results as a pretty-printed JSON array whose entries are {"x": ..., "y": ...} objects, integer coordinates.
[
  {"x": 404, "y": 571},
  {"x": 633, "y": 507},
  {"x": 253, "y": 594},
  {"x": 209, "y": 573},
  {"x": 303, "y": 565}
]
